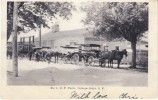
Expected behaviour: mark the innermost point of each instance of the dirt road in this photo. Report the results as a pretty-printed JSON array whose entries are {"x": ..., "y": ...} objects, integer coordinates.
[{"x": 42, "y": 73}]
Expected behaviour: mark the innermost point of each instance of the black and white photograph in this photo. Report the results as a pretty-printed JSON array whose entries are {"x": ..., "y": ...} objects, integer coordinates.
[{"x": 86, "y": 43}]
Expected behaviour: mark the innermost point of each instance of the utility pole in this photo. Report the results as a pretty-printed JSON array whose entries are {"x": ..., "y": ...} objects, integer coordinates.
[{"x": 14, "y": 40}]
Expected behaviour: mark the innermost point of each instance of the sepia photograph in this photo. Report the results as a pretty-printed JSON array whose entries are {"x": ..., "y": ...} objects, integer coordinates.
[
  {"x": 86, "y": 43},
  {"x": 91, "y": 43}
]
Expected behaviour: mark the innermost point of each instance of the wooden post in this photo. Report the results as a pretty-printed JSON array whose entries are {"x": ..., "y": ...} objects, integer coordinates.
[{"x": 14, "y": 40}]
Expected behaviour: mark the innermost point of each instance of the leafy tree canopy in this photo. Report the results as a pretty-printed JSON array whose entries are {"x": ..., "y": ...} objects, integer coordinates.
[
  {"x": 117, "y": 20},
  {"x": 32, "y": 14}
]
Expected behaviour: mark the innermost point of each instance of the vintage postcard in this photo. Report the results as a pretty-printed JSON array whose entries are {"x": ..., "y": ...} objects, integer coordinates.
[{"x": 85, "y": 49}]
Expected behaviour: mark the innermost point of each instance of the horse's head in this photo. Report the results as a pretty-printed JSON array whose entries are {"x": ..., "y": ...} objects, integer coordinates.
[{"x": 124, "y": 52}]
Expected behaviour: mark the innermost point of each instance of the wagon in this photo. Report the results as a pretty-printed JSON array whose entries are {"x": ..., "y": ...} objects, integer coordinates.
[
  {"x": 87, "y": 53},
  {"x": 23, "y": 50},
  {"x": 68, "y": 57}
]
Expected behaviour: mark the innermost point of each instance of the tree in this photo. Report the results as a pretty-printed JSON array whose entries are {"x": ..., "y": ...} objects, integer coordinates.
[
  {"x": 14, "y": 40},
  {"x": 33, "y": 14},
  {"x": 117, "y": 20},
  {"x": 25, "y": 16}
]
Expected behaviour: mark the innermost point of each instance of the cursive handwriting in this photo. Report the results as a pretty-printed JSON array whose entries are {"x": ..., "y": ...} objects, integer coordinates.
[
  {"x": 98, "y": 95},
  {"x": 75, "y": 95},
  {"x": 127, "y": 96}
]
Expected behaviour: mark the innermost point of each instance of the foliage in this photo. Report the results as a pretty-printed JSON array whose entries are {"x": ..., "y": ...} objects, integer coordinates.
[
  {"x": 118, "y": 20},
  {"x": 32, "y": 14}
]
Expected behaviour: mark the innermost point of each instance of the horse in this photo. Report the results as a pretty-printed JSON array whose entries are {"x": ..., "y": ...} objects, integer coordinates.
[
  {"x": 116, "y": 55},
  {"x": 103, "y": 56},
  {"x": 40, "y": 54},
  {"x": 50, "y": 53},
  {"x": 22, "y": 52}
]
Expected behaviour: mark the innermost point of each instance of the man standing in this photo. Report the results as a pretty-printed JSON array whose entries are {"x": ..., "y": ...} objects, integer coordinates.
[{"x": 30, "y": 54}]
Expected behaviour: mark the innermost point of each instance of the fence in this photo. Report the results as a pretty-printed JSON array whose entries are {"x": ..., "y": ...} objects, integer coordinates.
[{"x": 141, "y": 58}]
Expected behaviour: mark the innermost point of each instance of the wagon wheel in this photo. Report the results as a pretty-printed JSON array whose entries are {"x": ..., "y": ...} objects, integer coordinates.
[
  {"x": 75, "y": 59},
  {"x": 65, "y": 59},
  {"x": 83, "y": 60},
  {"x": 91, "y": 61}
]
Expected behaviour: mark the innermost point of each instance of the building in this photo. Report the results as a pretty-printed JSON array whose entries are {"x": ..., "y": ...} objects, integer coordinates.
[{"x": 56, "y": 39}]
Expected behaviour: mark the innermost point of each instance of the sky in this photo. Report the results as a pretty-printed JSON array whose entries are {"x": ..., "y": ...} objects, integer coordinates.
[{"x": 73, "y": 23}]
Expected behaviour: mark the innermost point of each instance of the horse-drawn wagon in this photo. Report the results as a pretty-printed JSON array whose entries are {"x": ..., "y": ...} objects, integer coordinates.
[
  {"x": 23, "y": 50},
  {"x": 69, "y": 52},
  {"x": 90, "y": 53},
  {"x": 85, "y": 53}
]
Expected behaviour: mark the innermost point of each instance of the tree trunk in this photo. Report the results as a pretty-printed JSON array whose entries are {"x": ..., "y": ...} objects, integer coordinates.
[
  {"x": 40, "y": 40},
  {"x": 14, "y": 40},
  {"x": 133, "y": 46},
  {"x": 40, "y": 36}
]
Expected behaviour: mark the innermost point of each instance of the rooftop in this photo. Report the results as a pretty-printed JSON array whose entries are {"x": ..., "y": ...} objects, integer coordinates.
[{"x": 54, "y": 35}]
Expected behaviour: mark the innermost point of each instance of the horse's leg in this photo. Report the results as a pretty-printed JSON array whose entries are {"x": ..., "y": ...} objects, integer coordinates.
[
  {"x": 48, "y": 59},
  {"x": 118, "y": 64},
  {"x": 111, "y": 63},
  {"x": 57, "y": 58},
  {"x": 104, "y": 62},
  {"x": 36, "y": 58},
  {"x": 101, "y": 61},
  {"x": 30, "y": 57}
]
